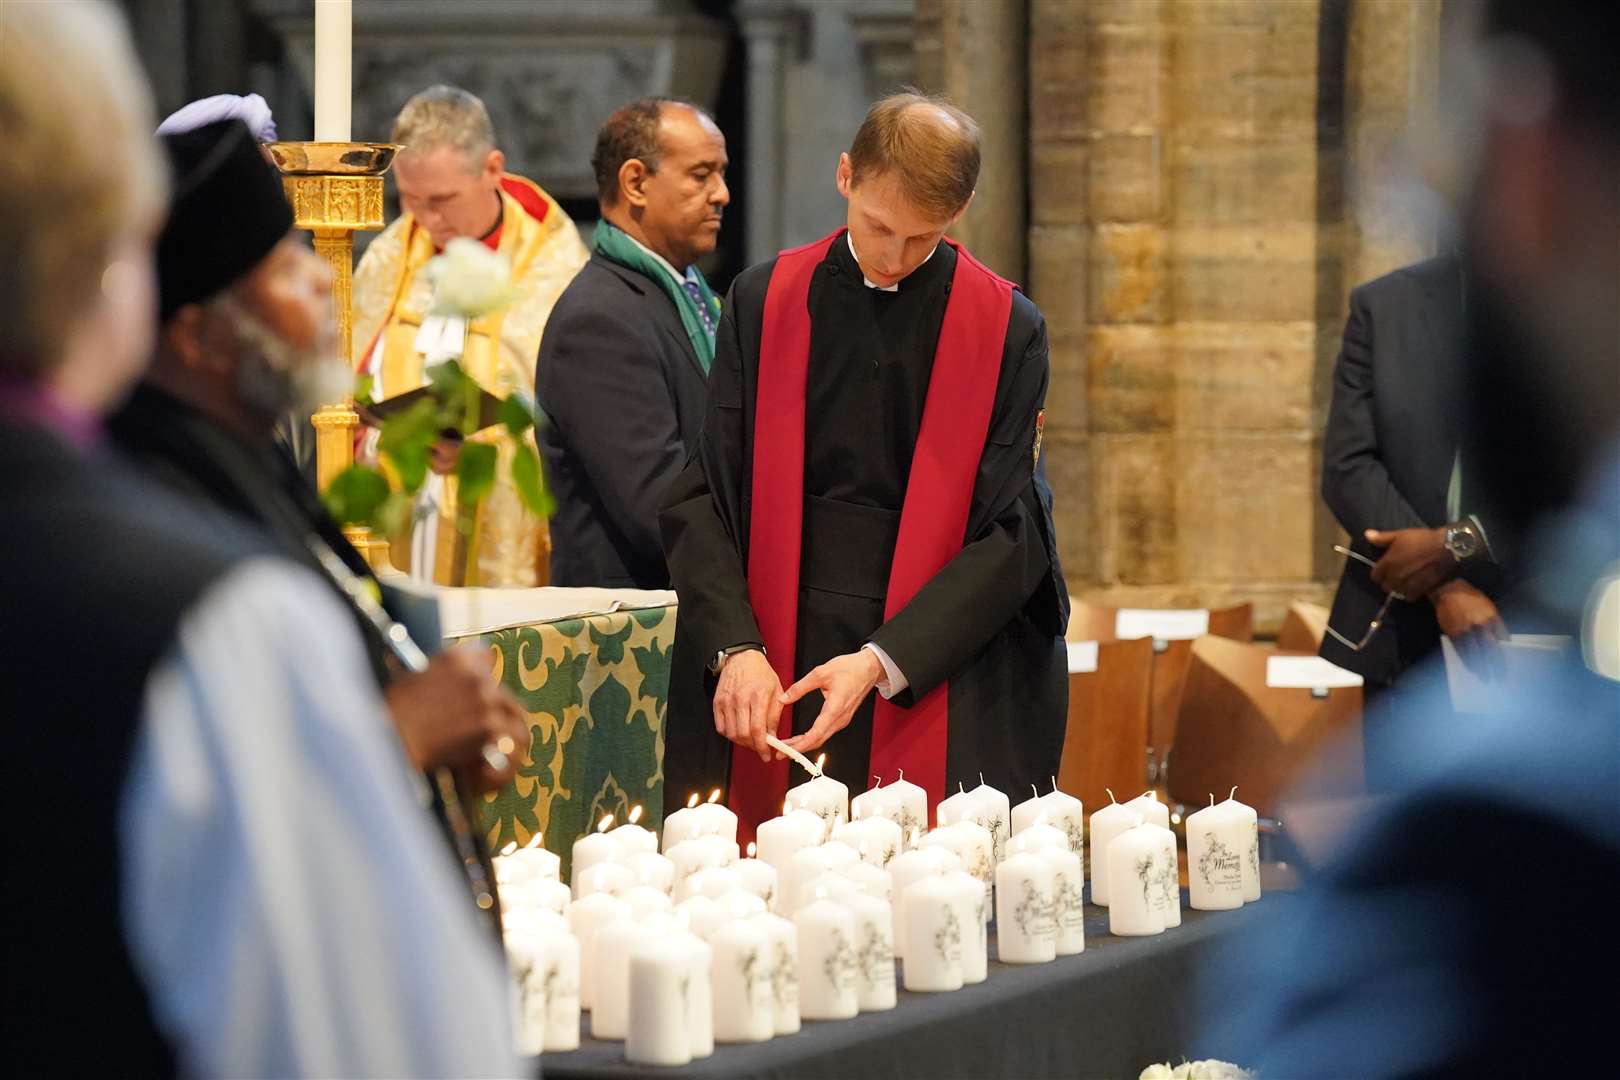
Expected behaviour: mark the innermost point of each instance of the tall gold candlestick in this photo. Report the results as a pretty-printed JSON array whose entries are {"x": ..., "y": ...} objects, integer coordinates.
[{"x": 336, "y": 188}]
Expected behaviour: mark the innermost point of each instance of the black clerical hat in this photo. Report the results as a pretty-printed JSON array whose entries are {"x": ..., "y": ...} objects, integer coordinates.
[{"x": 226, "y": 211}]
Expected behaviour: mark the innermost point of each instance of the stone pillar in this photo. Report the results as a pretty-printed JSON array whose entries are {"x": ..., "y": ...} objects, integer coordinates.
[
  {"x": 769, "y": 27},
  {"x": 976, "y": 55}
]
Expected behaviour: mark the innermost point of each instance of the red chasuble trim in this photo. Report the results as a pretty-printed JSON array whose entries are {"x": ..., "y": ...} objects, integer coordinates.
[{"x": 933, "y": 520}]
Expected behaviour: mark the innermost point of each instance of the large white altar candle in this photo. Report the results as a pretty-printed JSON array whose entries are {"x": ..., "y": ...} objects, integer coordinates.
[
  {"x": 1026, "y": 932},
  {"x": 1068, "y": 904},
  {"x": 826, "y": 934},
  {"x": 743, "y": 1009},
  {"x": 874, "y": 951},
  {"x": 782, "y": 959},
  {"x": 758, "y": 877},
  {"x": 1106, "y": 823},
  {"x": 652, "y": 869},
  {"x": 994, "y": 814},
  {"x": 1167, "y": 869},
  {"x": 907, "y": 868},
  {"x": 780, "y": 837},
  {"x": 1057, "y": 809},
  {"x": 334, "y": 30},
  {"x": 872, "y": 880},
  {"x": 588, "y": 916},
  {"x": 608, "y": 877},
  {"x": 610, "y": 956},
  {"x": 1134, "y": 895},
  {"x": 934, "y": 932},
  {"x": 1217, "y": 846},
  {"x": 877, "y": 839},
  {"x": 657, "y": 1024},
  {"x": 973, "y": 911},
  {"x": 824, "y": 797},
  {"x": 1251, "y": 860}
]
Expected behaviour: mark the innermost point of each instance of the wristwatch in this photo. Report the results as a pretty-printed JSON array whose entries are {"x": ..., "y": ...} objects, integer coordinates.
[
  {"x": 719, "y": 660},
  {"x": 1463, "y": 540}
]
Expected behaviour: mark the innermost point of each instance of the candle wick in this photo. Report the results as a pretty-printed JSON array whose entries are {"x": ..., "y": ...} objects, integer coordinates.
[
  {"x": 1212, "y": 798},
  {"x": 1232, "y": 796},
  {"x": 981, "y": 779},
  {"x": 1111, "y": 796},
  {"x": 902, "y": 773}
]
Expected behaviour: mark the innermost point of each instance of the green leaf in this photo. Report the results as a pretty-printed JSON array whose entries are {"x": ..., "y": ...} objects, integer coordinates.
[
  {"x": 407, "y": 440},
  {"x": 364, "y": 387},
  {"x": 445, "y": 381},
  {"x": 517, "y": 415},
  {"x": 475, "y": 473},
  {"x": 355, "y": 495},
  {"x": 530, "y": 482}
]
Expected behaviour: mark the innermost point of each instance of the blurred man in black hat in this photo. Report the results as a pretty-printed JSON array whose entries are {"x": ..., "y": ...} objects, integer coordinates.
[{"x": 215, "y": 860}]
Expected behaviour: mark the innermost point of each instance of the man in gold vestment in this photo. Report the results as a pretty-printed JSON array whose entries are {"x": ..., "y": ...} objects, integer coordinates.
[{"x": 452, "y": 183}]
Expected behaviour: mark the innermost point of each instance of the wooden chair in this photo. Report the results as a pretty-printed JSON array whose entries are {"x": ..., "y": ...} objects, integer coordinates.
[
  {"x": 1303, "y": 628},
  {"x": 1097, "y": 622},
  {"x": 1234, "y": 729},
  {"x": 1106, "y": 743}
]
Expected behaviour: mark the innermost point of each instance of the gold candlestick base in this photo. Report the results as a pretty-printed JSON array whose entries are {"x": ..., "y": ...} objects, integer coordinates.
[{"x": 336, "y": 188}]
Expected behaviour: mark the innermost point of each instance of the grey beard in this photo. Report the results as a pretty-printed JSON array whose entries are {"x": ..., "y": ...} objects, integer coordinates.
[{"x": 273, "y": 377}]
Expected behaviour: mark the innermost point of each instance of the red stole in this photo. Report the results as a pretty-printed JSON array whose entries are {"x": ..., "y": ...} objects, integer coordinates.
[{"x": 933, "y": 520}]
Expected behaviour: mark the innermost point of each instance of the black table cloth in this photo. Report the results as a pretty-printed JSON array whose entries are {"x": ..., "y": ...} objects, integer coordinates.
[{"x": 1110, "y": 1011}]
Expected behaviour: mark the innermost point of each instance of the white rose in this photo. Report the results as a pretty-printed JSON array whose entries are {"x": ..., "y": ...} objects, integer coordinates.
[
  {"x": 469, "y": 279},
  {"x": 1156, "y": 1072}
]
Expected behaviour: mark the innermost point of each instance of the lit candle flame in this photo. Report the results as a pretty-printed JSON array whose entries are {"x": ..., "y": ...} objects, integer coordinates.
[
  {"x": 602, "y": 826},
  {"x": 509, "y": 848},
  {"x": 536, "y": 840},
  {"x": 787, "y": 804},
  {"x": 693, "y": 801},
  {"x": 752, "y": 847},
  {"x": 635, "y": 815},
  {"x": 714, "y": 796},
  {"x": 821, "y": 763}
]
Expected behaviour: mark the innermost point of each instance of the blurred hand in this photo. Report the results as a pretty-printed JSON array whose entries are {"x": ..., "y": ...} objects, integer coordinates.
[
  {"x": 748, "y": 701},
  {"x": 444, "y": 455},
  {"x": 845, "y": 681},
  {"x": 446, "y": 714},
  {"x": 1416, "y": 560},
  {"x": 1469, "y": 618}
]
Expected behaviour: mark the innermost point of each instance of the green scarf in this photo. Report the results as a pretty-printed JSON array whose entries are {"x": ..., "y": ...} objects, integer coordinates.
[{"x": 613, "y": 244}]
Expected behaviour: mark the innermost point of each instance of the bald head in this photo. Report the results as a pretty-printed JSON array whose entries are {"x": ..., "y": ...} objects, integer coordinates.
[{"x": 929, "y": 146}]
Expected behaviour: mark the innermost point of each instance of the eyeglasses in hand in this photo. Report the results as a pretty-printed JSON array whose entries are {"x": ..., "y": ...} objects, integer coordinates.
[{"x": 1377, "y": 620}]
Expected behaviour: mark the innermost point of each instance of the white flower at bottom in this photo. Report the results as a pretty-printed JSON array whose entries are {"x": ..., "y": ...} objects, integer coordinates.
[{"x": 469, "y": 279}]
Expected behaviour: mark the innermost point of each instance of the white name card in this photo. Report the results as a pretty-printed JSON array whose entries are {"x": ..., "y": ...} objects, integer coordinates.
[
  {"x": 1161, "y": 625},
  {"x": 1307, "y": 673},
  {"x": 1082, "y": 657},
  {"x": 1526, "y": 658}
]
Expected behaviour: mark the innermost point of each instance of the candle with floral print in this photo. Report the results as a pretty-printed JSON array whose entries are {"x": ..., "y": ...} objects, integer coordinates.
[
  {"x": 782, "y": 946},
  {"x": 973, "y": 911},
  {"x": 934, "y": 932},
  {"x": 1026, "y": 931},
  {"x": 1217, "y": 847},
  {"x": 827, "y": 979},
  {"x": 1134, "y": 890},
  {"x": 874, "y": 950},
  {"x": 743, "y": 1008},
  {"x": 824, "y": 797},
  {"x": 1068, "y": 905},
  {"x": 1106, "y": 823}
]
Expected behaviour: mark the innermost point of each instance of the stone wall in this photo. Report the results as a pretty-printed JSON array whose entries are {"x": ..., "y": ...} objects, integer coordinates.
[{"x": 1203, "y": 186}]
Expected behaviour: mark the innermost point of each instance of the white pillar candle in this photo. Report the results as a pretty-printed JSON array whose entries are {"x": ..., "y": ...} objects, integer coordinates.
[
  {"x": 1026, "y": 931},
  {"x": 334, "y": 35},
  {"x": 743, "y": 1008},
  {"x": 522, "y": 960},
  {"x": 652, "y": 869},
  {"x": 934, "y": 932},
  {"x": 759, "y": 878},
  {"x": 973, "y": 911},
  {"x": 632, "y": 838},
  {"x": 831, "y": 886},
  {"x": 869, "y": 879},
  {"x": 782, "y": 959},
  {"x": 1217, "y": 846},
  {"x": 972, "y": 843},
  {"x": 713, "y": 881},
  {"x": 908, "y": 808},
  {"x": 551, "y": 895},
  {"x": 877, "y": 839},
  {"x": 737, "y": 905},
  {"x": 608, "y": 877},
  {"x": 547, "y": 967},
  {"x": 1133, "y": 892},
  {"x": 1068, "y": 902},
  {"x": 659, "y": 1018},
  {"x": 586, "y": 917},
  {"x": 1106, "y": 823},
  {"x": 531, "y": 862},
  {"x": 1167, "y": 871},
  {"x": 1251, "y": 860},
  {"x": 716, "y": 820},
  {"x": 779, "y": 837},
  {"x": 840, "y": 854},
  {"x": 995, "y": 814},
  {"x": 907, "y": 868},
  {"x": 644, "y": 900},
  {"x": 682, "y": 825},
  {"x": 871, "y": 803},
  {"x": 803, "y": 867},
  {"x": 826, "y": 935},
  {"x": 699, "y": 994},
  {"x": 592, "y": 850},
  {"x": 1057, "y": 809},
  {"x": 958, "y": 807},
  {"x": 537, "y": 920},
  {"x": 690, "y": 856},
  {"x": 703, "y": 914},
  {"x": 1152, "y": 810},
  {"x": 610, "y": 956},
  {"x": 824, "y": 797},
  {"x": 874, "y": 951},
  {"x": 1041, "y": 835}
]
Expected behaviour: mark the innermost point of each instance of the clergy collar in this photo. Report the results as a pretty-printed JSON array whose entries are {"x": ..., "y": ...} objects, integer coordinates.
[{"x": 869, "y": 283}]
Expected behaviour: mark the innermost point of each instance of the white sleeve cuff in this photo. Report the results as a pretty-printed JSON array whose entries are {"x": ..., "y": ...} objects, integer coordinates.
[{"x": 894, "y": 680}]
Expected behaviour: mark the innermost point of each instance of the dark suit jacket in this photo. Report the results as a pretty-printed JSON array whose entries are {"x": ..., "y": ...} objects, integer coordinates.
[
  {"x": 623, "y": 396},
  {"x": 1392, "y": 436}
]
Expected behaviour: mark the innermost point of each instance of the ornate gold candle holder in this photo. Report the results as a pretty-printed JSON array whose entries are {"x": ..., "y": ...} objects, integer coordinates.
[{"x": 336, "y": 188}]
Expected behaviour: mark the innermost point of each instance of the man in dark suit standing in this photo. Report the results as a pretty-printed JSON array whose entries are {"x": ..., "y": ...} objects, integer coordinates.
[
  {"x": 1422, "y": 561},
  {"x": 624, "y": 363}
]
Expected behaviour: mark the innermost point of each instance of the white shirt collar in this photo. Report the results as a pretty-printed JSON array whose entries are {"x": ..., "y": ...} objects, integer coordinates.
[
  {"x": 665, "y": 263},
  {"x": 870, "y": 284}
]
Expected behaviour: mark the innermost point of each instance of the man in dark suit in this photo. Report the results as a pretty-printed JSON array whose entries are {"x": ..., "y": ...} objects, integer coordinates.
[
  {"x": 1423, "y": 564},
  {"x": 624, "y": 363}
]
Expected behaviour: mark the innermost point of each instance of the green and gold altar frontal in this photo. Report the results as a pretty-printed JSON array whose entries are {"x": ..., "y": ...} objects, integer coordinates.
[{"x": 595, "y": 689}]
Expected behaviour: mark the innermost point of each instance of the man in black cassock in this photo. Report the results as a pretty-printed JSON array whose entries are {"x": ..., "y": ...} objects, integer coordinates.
[{"x": 925, "y": 565}]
